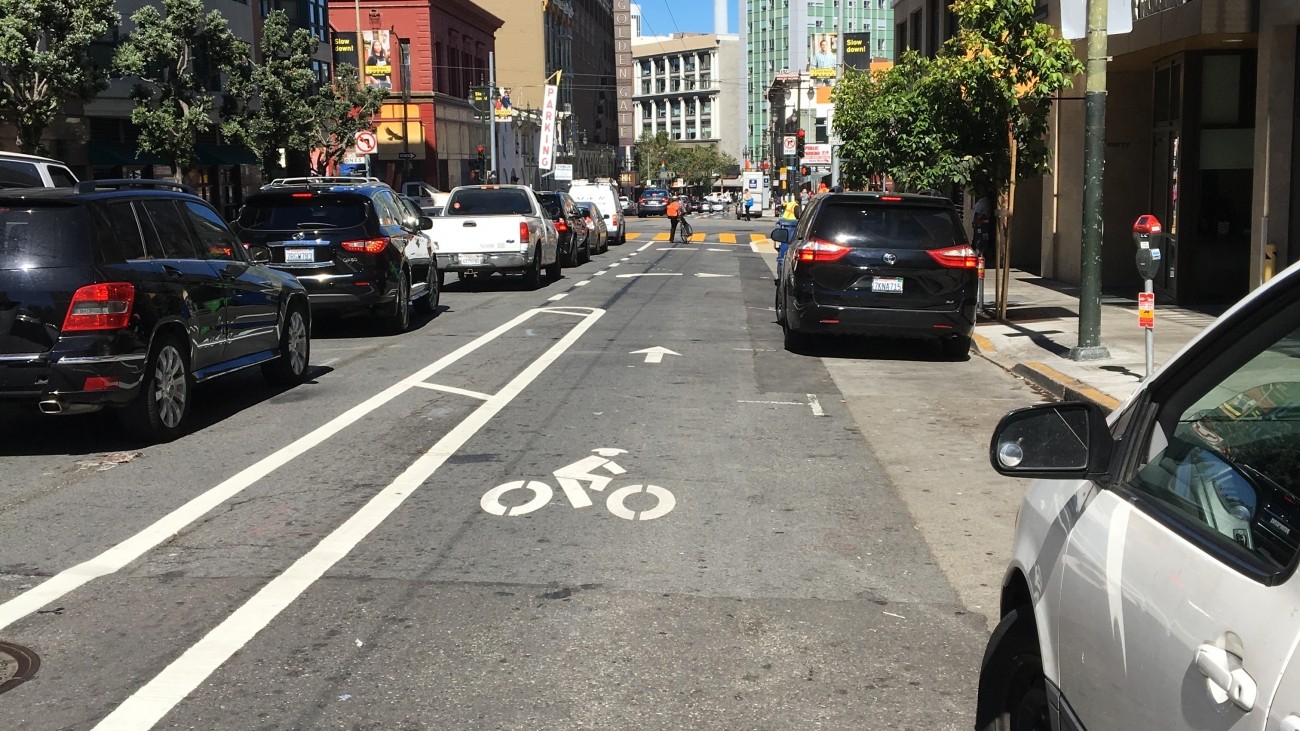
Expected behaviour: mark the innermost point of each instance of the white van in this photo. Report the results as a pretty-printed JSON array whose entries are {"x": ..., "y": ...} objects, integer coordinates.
[
  {"x": 18, "y": 170},
  {"x": 603, "y": 193}
]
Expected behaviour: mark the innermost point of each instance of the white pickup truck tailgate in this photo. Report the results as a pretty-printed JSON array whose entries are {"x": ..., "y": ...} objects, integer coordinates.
[{"x": 478, "y": 234}]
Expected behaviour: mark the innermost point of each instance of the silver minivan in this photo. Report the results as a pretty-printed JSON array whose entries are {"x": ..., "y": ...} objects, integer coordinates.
[
  {"x": 605, "y": 196},
  {"x": 18, "y": 170}
]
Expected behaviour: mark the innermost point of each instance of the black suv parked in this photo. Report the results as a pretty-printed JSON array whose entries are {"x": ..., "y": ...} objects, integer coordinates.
[
  {"x": 126, "y": 293},
  {"x": 570, "y": 224},
  {"x": 345, "y": 239},
  {"x": 879, "y": 264}
]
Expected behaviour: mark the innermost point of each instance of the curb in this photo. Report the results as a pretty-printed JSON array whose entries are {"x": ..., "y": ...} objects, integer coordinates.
[{"x": 1052, "y": 381}]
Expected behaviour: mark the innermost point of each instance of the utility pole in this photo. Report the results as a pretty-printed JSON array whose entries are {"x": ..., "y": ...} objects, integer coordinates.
[
  {"x": 839, "y": 69},
  {"x": 1094, "y": 163}
]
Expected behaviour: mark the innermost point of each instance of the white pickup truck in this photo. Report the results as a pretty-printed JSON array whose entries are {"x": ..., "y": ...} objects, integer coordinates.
[{"x": 495, "y": 228}]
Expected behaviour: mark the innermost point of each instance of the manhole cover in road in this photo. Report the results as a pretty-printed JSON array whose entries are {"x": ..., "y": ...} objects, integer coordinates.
[{"x": 16, "y": 665}]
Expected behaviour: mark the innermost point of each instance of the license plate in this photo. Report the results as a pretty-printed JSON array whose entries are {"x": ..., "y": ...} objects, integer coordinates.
[
  {"x": 294, "y": 256},
  {"x": 471, "y": 259},
  {"x": 886, "y": 284}
]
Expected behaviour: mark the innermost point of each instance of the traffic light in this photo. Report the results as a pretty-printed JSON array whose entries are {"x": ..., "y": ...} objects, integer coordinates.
[
  {"x": 798, "y": 143},
  {"x": 482, "y": 162}
]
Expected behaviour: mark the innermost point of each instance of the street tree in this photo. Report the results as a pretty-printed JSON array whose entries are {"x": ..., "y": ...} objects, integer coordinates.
[
  {"x": 339, "y": 111},
  {"x": 270, "y": 100},
  {"x": 701, "y": 165},
  {"x": 178, "y": 56},
  {"x": 1010, "y": 67},
  {"x": 45, "y": 61},
  {"x": 911, "y": 123},
  {"x": 655, "y": 153}
]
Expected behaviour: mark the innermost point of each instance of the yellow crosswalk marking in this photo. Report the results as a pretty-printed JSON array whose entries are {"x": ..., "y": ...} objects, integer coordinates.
[
  {"x": 661, "y": 236},
  {"x": 632, "y": 236},
  {"x": 727, "y": 238},
  {"x": 696, "y": 238}
]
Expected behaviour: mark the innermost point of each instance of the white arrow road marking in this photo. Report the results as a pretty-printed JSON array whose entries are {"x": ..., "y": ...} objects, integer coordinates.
[
  {"x": 160, "y": 695},
  {"x": 649, "y": 274},
  {"x": 655, "y": 354},
  {"x": 706, "y": 275}
]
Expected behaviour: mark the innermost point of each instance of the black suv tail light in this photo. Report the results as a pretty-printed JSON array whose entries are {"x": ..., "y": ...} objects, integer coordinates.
[
  {"x": 104, "y": 306},
  {"x": 816, "y": 250},
  {"x": 368, "y": 246}
]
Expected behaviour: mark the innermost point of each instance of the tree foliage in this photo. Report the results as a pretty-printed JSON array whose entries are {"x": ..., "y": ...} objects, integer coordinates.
[
  {"x": 338, "y": 112},
  {"x": 45, "y": 60},
  {"x": 694, "y": 164},
  {"x": 176, "y": 54},
  {"x": 270, "y": 102}
]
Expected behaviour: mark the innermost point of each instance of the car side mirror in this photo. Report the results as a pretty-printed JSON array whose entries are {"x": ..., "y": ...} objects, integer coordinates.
[
  {"x": 1068, "y": 440},
  {"x": 424, "y": 222},
  {"x": 259, "y": 254},
  {"x": 780, "y": 235}
]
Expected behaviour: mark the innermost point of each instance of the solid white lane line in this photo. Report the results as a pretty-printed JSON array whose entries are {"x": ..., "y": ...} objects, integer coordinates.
[
  {"x": 775, "y": 403},
  {"x": 112, "y": 560},
  {"x": 650, "y": 274},
  {"x": 156, "y": 698},
  {"x": 453, "y": 389},
  {"x": 558, "y": 297},
  {"x": 815, "y": 405},
  {"x": 647, "y": 245}
]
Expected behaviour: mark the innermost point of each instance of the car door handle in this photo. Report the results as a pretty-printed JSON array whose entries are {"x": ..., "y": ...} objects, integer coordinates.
[
  {"x": 172, "y": 271},
  {"x": 1226, "y": 675},
  {"x": 469, "y": 224}
]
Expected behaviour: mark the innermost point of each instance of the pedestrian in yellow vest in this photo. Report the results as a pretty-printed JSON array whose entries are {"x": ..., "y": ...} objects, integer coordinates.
[{"x": 789, "y": 220}]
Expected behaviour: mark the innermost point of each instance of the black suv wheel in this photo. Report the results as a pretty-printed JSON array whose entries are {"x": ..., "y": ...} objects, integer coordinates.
[{"x": 158, "y": 412}]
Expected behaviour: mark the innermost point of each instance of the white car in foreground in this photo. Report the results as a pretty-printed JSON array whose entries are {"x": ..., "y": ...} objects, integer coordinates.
[{"x": 1152, "y": 583}]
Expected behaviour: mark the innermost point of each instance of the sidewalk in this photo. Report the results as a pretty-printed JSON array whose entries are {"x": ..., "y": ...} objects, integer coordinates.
[{"x": 1042, "y": 325}]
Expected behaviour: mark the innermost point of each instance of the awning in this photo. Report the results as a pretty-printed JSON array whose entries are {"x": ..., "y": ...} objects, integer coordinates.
[
  {"x": 112, "y": 154},
  {"x": 224, "y": 155}
]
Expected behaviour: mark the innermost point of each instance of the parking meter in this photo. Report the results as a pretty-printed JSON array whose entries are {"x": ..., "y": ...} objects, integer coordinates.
[{"x": 1146, "y": 234}]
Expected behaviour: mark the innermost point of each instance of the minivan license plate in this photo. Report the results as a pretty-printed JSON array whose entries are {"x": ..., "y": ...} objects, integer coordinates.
[
  {"x": 887, "y": 284},
  {"x": 295, "y": 256}
]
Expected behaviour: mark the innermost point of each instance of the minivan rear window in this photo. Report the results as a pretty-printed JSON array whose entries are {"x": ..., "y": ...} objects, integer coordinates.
[
  {"x": 39, "y": 237},
  {"x": 870, "y": 225},
  {"x": 283, "y": 213}
]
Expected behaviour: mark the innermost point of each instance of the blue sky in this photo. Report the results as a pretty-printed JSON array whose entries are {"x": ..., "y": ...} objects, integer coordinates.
[{"x": 663, "y": 17}]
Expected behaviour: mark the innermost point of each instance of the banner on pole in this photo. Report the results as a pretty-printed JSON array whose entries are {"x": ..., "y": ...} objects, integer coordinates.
[{"x": 546, "y": 153}]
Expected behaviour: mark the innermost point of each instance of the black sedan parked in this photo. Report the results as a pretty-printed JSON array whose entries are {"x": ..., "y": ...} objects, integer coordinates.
[{"x": 879, "y": 264}]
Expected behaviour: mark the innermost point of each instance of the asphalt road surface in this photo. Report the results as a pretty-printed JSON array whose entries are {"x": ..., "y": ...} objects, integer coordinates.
[{"x": 611, "y": 503}]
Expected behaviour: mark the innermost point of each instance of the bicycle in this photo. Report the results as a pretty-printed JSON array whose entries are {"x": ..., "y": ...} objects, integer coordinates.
[
  {"x": 685, "y": 228},
  {"x": 571, "y": 478}
]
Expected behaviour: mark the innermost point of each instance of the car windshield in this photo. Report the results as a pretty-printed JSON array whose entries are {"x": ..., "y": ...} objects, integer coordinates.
[
  {"x": 870, "y": 224},
  {"x": 36, "y": 237},
  {"x": 488, "y": 202},
  {"x": 285, "y": 213}
]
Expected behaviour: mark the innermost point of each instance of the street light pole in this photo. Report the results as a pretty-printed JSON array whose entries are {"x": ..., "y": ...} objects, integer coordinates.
[{"x": 1094, "y": 160}]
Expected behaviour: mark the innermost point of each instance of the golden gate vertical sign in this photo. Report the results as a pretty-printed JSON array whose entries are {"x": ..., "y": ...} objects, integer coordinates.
[{"x": 623, "y": 70}]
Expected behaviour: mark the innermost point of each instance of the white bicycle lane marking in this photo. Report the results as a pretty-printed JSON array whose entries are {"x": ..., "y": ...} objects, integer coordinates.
[
  {"x": 155, "y": 699},
  {"x": 571, "y": 478}
]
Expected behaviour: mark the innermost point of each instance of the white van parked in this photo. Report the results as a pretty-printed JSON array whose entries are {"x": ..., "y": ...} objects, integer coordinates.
[
  {"x": 604, "y": 194},
  {"x": 18, "y": 170}
]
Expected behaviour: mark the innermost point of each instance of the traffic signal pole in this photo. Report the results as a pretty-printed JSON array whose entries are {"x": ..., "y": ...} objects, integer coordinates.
[{"x": 492, "y": 119}]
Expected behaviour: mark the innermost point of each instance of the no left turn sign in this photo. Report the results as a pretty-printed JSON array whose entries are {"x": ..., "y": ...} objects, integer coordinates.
[{"x": 366, "y": 142}]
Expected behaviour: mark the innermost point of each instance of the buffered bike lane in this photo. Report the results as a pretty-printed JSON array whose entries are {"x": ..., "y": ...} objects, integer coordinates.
[{"x": 784, "y": 589}]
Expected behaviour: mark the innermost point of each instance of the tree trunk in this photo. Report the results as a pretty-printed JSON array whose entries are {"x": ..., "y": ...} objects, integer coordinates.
[{"x": 1006, "y": 208}]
